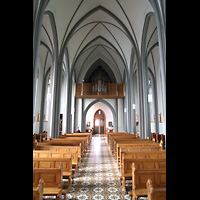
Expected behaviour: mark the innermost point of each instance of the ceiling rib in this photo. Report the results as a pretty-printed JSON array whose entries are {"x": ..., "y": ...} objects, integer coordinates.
[
  {"x": 115, "y": 50},
  {"x": 70, "y": 22}
]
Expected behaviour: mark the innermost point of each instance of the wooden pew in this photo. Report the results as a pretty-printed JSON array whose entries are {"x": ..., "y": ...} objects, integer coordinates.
[
  {"x": 80, "y": 135},
  {"x": 55, "y": 163},
  {"x": 135, "y": 143},
  {"x": 88, "y": 135},
  {"x": 126, "y": 166},
  {"x": 51, "y": 154},
  {"x": 155, "y": 193},
  {"x": 75, "y": 150},
  {"x": 127, "y": 141},
  {"x": 63, "y": 142},
  {"x": 118, "y": 138},
  {"x": 52, "y": 178},
  {"x": 85, "y": 139},
  {"x": 108, "y": 134},
  {"x": 143, "y": 154},
  {"x": 133, "y": 150},
  {"x": 123, "y": 136},
  {"x": 56, "y": 154},
  {"x": 131, "y": 140},
  {"x": 140, "y": 177},
  {"x": 38, "y": 191}
]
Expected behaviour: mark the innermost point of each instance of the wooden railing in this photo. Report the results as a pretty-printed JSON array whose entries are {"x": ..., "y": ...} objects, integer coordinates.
[{"x": 114, "y": 90}]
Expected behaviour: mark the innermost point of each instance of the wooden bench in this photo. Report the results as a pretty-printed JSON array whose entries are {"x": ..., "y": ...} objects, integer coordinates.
[
  {"x": 52, "y": 178},
  {"x": 143, "y": 154},
  {"x": 140, "y": 177},
  {"x": 155, "y": 193},
  {"x": 85, "y": 139},
  {"x": 113, "y": 141},
  {"x": 73, "y": 137},
  {"x": 126, "y": 141},
  {"x": 75, "y": 150},
  {"x": 88, "y": 135},
  {"x": 136, "y": 143},
  {"x": 63, "y": 142},
  {"x": 108, "y": 134},
  {"x": 66, "y": 143},
  {"x": 126, "y": 166},
  {"x": 76, "y": 136},
  {"x": 124, "y": 136},
  {"x": 55, "y": 163},
  {"x": 55, "y": 154},
  {"x": 38, "y": 191},
  {"x": 133, "y": 150}
]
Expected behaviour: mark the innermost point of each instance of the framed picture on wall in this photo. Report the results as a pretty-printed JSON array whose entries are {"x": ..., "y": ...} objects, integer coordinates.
[
  {"x": 88, "y": 124},
  {"x": 110, "y": 124}
]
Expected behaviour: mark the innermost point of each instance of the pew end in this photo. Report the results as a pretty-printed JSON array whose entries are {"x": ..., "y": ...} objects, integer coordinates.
[
  {"x": 155, "y": 193},
  {"x": 52, "y": 178},
  {"x": 140, "y": 178},
  {"x": 38, "y": 191}
]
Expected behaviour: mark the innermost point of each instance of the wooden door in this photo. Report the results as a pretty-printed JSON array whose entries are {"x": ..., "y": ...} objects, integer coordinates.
[{"x": 99, "y": 121}]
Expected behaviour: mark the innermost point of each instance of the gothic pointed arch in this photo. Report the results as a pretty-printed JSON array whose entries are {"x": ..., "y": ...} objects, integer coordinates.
[{"x": 94, "y": 102}]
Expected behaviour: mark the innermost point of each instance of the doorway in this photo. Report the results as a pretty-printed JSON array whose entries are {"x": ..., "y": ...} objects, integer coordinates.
[{"x": 99, "y": 122}]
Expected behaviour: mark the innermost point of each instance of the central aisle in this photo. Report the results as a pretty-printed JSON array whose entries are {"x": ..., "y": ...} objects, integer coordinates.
[{"x": 98, "y": 176}]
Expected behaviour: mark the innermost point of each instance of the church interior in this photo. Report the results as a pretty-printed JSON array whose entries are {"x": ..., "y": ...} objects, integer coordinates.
[{"x": 99, "y": 92}]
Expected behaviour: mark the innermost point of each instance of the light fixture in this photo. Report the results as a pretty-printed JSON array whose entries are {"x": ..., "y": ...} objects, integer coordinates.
[
  {"x": 133, "y": 106},
  {"x": 149, "y": 98},
  {"x": 125, "y": 110}
]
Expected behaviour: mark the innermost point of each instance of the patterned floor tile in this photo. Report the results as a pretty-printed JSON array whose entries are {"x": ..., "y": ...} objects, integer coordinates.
[{"x": 98, "y": 177}]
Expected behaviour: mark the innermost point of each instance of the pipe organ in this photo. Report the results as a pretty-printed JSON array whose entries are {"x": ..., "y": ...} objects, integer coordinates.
[{"x": 99, "y": 86}]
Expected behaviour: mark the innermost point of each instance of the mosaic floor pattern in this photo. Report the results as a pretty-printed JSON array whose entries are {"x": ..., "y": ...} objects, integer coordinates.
[{"x": 98, "y": 176}]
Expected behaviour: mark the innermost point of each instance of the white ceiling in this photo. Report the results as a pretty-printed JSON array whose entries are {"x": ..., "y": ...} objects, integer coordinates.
[{"x": 97, "y": 29}]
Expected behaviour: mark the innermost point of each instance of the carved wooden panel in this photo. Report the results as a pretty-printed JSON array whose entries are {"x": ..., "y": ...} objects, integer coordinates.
[{"x": 114, "y": 90}]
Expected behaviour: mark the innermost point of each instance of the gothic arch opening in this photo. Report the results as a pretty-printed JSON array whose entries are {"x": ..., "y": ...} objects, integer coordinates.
[{"x": 90, "y": 111}]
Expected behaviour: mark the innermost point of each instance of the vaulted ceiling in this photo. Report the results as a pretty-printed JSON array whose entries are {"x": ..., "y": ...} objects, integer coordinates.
[{"x": 95, "y": 30}]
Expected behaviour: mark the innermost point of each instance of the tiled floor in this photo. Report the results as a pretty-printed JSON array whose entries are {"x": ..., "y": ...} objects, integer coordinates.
[{"x": 98, "y": 176}]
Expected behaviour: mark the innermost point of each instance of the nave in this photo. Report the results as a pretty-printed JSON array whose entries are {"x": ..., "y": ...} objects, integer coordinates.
[
  {"x": 99, "y": 66},
  {"x": 98, "y": 176}
]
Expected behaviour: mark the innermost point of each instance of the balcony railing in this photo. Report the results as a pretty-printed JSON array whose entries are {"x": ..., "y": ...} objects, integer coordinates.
[{"x": 86, "y": 90}]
